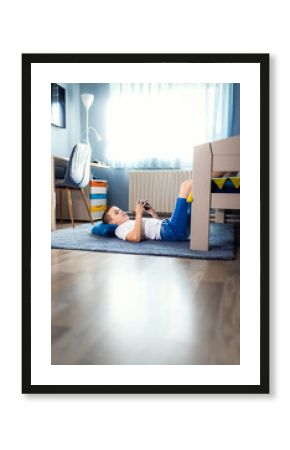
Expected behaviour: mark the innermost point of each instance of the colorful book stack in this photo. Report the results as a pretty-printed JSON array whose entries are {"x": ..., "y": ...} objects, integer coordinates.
[{"x": 98, "y": 198}]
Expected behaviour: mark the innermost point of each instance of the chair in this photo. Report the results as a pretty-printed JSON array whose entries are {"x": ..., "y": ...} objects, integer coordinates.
[{"x": 77, "y": 177}]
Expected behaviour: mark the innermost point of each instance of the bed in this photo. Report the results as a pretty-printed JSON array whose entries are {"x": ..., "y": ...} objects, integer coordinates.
[{"x": 218, "y": 156}]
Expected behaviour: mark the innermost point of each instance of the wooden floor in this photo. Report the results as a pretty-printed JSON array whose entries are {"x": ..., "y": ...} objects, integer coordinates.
[{"x": 135, "y": 309}]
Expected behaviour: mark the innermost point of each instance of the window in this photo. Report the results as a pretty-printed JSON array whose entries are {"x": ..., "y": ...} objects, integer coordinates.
[{"x": 157, "y": 125}]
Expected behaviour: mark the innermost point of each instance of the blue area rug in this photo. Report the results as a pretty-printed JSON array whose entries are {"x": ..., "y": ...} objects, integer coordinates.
[{"x": 222, "y": 243}]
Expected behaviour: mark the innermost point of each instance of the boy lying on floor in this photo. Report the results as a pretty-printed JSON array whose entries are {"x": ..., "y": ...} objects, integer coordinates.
[{"x": 174, "y": 229}]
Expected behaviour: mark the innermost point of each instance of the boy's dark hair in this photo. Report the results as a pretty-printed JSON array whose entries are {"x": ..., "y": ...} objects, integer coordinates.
[{"x": 106, "y": 216}]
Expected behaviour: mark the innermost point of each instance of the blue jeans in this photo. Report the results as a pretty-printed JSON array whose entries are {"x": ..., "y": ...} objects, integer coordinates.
[{"x": 177, "y": 227}]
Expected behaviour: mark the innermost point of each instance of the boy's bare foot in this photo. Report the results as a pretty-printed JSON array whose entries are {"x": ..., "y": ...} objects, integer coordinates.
[{"x": 185, "y": 189}]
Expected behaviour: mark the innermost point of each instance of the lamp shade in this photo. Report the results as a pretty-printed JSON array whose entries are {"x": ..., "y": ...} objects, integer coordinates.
[{"x": 87, "y": 100}]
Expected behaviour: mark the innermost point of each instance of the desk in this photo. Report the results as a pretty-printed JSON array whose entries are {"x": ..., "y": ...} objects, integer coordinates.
[{"x": 63, "y": 161}]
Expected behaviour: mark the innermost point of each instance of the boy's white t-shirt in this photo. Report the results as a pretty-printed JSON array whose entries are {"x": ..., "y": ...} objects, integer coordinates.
[{"x": 150, "y": 229}]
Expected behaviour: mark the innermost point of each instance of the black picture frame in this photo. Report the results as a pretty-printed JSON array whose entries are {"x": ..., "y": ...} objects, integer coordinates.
[{"x": 263, "y": 61}]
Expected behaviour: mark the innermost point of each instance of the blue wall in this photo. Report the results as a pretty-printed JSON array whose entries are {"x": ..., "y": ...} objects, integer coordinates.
[
  {"x": 236, "y": 110},
  {"x": 118, "y": 186},
  {"x": 63, "y": 139}
]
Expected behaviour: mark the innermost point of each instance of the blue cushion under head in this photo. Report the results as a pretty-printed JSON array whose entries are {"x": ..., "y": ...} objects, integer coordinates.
[{"x": 104, "y": 229}]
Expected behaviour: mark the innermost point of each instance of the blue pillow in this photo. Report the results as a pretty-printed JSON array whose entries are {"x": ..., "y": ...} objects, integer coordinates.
[{"x": 104, "y": 229}]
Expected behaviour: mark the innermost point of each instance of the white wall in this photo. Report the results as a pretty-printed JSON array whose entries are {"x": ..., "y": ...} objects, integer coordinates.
[{"x": 140, "y": 422}]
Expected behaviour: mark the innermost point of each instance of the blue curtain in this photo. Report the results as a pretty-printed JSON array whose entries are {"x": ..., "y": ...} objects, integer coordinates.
[{"x": 157, "y": 125}]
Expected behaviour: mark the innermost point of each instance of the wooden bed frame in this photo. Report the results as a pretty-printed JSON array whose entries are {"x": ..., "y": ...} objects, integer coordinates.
[{"x": 222, "y": 156}]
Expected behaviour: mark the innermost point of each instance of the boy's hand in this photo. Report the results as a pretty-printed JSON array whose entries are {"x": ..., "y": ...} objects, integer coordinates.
[
  {"x": 139, "y": 209},
  {"x": 151, "y": 211},
  {"x": 146, "y": 205}
]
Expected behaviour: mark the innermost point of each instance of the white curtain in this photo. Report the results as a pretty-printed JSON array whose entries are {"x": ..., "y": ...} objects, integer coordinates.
[{"x": 157, "y": 125}]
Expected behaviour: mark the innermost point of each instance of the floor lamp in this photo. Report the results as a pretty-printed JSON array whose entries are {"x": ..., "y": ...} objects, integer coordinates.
[{"x": 88, "y": 100}]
